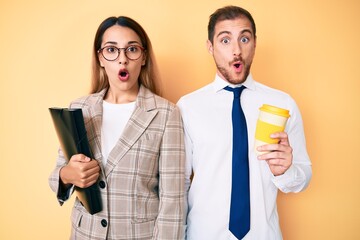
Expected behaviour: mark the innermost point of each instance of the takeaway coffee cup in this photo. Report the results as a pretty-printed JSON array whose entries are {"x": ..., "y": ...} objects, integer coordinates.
[{"x": 271, "y": 120}]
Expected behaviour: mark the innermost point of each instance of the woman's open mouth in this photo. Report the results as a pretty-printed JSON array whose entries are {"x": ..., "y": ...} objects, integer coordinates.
[{"x": 123, "y": 75}]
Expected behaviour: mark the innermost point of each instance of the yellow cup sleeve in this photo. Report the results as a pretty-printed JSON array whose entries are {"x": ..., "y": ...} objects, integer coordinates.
[{"x": 264, "y": 130}]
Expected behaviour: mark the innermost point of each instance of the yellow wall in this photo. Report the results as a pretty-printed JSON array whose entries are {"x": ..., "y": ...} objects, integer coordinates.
[{"x": 307, "y": 48}]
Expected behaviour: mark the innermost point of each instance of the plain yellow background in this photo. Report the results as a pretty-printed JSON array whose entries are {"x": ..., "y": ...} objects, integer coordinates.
[{"x": 307, "y": 48}]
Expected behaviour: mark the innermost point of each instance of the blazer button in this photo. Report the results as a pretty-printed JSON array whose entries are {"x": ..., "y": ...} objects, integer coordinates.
[
  {"x": 102, "y": 184},
  {"x": 103, "y": 223}
]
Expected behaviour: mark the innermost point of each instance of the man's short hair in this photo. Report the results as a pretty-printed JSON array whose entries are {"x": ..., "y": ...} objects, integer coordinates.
[{"x": 228, "y": 13}]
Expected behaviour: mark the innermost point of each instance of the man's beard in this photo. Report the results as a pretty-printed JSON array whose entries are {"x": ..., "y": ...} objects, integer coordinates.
[{"x": 227, "y": 74}]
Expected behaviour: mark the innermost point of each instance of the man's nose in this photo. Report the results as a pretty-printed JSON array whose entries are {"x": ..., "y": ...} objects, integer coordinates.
[{"x": 237, "y": 49}]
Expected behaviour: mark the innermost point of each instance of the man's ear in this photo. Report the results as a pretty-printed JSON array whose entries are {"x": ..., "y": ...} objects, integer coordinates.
[{"x": 210, "y": 47}]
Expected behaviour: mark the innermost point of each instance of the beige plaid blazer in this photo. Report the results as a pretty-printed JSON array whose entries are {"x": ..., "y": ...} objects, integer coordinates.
[{"x": 144, "y": 196}]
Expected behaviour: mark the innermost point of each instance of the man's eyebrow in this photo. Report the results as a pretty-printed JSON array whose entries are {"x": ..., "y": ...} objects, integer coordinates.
[
  {"x": 246, "y": 31},
  {"x": 228, "y": 32},
  {"x": 223, "y": 32}
]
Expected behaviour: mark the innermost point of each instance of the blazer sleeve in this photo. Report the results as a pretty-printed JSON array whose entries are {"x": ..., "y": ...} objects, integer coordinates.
[
  {"x": 171, "y": 217},
  {"x": 54, "y": 180}
]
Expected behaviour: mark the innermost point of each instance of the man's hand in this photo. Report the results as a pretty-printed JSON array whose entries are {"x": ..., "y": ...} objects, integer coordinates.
[{"x": 279, "y": 156}]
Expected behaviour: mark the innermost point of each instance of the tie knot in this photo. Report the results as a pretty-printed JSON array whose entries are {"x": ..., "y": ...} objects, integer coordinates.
[{"x": 237, "y": 91}]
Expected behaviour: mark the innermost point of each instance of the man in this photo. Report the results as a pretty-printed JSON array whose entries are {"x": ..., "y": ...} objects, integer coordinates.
[{"x": 208, "y": 123}]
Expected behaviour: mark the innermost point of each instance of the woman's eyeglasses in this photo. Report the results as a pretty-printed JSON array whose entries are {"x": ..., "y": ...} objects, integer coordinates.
[{"x": 111, "y": 53}]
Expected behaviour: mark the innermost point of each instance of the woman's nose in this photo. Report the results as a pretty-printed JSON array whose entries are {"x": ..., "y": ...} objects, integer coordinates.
[{"x": 122, "y": 57}]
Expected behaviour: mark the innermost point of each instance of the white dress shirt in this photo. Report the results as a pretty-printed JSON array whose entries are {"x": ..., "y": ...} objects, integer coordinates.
[{"x": 208, "y": 141}]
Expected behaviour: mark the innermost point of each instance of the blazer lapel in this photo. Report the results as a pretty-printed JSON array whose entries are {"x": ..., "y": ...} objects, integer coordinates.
[
  {"x": 142, "y": 116},
  {"x": 94, "y": 113}
]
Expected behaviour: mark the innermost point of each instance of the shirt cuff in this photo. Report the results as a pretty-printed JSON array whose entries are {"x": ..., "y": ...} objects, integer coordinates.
[
  {"x": 65, "y": 195},
  {"x": 290, "y": 180}
]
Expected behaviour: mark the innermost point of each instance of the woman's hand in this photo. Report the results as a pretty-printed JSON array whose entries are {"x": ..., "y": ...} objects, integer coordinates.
[{"x": 81, "y": 171}]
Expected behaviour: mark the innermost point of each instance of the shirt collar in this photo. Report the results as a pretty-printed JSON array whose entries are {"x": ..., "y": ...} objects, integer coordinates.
[{"x": 219, "y": 83}]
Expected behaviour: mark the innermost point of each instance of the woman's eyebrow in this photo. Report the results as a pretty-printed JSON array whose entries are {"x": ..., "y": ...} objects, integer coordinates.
[
  {"x": 115, "y": 43},
  {"x": 110, "y": 42},
  {"x": 132, "y": 42}
]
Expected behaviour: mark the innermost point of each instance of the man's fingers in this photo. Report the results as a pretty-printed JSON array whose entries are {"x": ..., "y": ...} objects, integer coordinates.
[{"x": 282, "y": 136}]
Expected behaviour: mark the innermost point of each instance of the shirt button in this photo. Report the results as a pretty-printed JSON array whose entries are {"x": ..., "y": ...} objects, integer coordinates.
[
  {"x": 103, "y": 223},
  {"x": 102, "y": 184}
]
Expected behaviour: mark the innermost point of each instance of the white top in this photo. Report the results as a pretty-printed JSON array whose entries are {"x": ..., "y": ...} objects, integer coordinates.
[
  {"x": 208, "y": 142},
  {"x": 115, "y": 117}
]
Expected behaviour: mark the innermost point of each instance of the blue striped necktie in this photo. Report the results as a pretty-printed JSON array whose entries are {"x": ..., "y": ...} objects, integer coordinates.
[{"x": 239, "y": 223}]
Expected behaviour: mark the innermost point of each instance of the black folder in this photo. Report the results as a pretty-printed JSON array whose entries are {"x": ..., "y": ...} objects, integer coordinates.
[{"x": 71, "y": 131}]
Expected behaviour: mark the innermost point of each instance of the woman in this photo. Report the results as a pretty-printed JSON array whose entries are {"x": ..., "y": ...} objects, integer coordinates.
[{"x": 137, "y": 141}]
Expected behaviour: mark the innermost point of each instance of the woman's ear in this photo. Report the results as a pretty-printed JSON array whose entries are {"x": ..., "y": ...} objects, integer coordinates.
[
  {"x": 100, "y": 60},
  {"x": 143, "y": 61}
]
